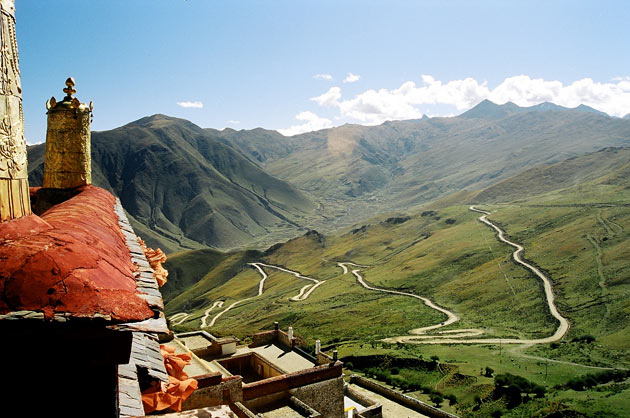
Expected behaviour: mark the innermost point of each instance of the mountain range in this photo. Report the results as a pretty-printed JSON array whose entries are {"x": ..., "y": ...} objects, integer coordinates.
[
  {"x": 188, "y": 187},
  {"x": 185, "y": 188}
]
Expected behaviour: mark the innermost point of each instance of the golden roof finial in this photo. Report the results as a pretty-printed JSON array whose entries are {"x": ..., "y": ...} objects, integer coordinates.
[{"x": 69, "y": 90}]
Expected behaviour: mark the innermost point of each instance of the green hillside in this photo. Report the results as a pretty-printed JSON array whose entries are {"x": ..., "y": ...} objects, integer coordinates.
[
  {"x": 546, "y": 178},
  {"x": 577, "y": 234},
  {"x": 445, "y": 253},
  {"x": 398, "y": 165},
  {"x": 185, "y": 188}
]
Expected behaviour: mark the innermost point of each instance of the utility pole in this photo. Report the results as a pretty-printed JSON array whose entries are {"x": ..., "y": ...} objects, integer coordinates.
[{"x": 546, "y": 367}]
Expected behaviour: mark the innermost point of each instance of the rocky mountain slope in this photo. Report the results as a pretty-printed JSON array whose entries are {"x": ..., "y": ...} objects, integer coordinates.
[{"x": 186, "y": 188}]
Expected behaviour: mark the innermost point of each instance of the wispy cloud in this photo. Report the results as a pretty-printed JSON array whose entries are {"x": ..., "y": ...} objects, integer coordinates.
[
  {"x": 377, "y": 106},
  {"x": 351, "y": 78},
  {"x": 327, "y": 77},
  {"x": 312, "y": 122},
  {"x": 188, "y": 104}
]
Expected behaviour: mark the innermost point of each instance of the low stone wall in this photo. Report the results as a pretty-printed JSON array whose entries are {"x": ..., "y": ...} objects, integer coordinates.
[
  {"x": 405, "y": 400},
  {"x": 268, "y": 337},
  {"x": 372, "y": 410},
  {"x": 250, "y": 363},
  {"x": 263, "y": 338},
  {"x": 259, "y": 403},
  {"x": 292, "y": 380},
  {"x": 241, "y": 411},
  {"x": 228, "y": 390},
  {"x": 325, "y": 397},
  {"x": 303, "y": 408},
  {"x": 323, "y": 358}
]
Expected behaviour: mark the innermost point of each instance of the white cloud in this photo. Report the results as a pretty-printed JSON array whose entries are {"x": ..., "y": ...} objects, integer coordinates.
[
  {"x": 312, "y": 123},
  {"x": 351, "y": 78},
  {"x": 377, "y": 106},
  {"x": 323, "y": 77},
  {"x": 330, "y": 98},
  {"x": 194, "y": 105}
]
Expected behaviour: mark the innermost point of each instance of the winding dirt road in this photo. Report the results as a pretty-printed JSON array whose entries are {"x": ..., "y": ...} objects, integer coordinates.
[
  {"x": 417, "y": 335},
  {"x": 206, "y": 314},
  {"x": 261, "y": 287},
  {"x": 178, "y": 318},
  {"x": 305, "y": 291},
  {"x": 450, "y": 315},
  {"x": 461, "y": 336}
]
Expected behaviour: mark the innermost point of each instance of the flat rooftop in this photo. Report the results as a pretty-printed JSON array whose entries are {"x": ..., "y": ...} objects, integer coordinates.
[
  {"x": 281, "y": 357},
  {"x": 280, "y": 409}
]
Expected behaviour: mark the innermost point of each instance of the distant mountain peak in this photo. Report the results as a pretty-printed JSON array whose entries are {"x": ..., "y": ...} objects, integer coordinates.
[
  {"x": 487, "y": 109},
  {"x": 159, "y": 120},
  {"x": 627, "y": 116},
  {"x": 588, "y": 109}
]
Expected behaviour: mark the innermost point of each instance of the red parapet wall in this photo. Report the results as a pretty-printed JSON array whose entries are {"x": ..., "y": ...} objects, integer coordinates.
[{"x": 291, "y": 381}]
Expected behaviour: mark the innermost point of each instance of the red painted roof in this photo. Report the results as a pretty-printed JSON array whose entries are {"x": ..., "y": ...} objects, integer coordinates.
[{"x": 73, "y": 259}]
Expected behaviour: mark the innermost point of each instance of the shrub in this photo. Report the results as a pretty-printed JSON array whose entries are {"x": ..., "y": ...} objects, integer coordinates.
[
  {"x": 583, "y": 339},
  {"x": 452, "y": 399},
  {"x": 489, "y": 371},
  {"x": 593, "y": 379},
  {"x": 496, "y": 413},
  {"x": 395, "y": 370},
  {"x": 437, "y": 400},
  {"x": 511, "y": 387}
]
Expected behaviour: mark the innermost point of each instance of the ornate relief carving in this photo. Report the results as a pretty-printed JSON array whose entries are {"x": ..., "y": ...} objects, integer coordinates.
[
  {"x": 67, "y": 163},
  {"x": 14, "y": 192},
  {"x": 12, "y": 143}
]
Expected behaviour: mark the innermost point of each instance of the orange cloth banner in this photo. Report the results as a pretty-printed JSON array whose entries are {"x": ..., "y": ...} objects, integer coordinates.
[{"x": 161, "y": 396}]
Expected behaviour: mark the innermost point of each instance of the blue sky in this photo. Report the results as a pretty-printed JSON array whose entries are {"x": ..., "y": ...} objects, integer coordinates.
[{"x": 246, "y": 64}]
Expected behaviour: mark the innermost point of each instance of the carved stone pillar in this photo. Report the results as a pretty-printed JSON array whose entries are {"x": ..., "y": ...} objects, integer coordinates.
[
  {"x": 14, "y": 193},
  {"x": 68, "y": 163}
]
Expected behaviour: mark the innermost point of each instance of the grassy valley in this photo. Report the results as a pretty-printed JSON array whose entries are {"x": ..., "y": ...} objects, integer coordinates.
[{"x": 577, "y": 232}]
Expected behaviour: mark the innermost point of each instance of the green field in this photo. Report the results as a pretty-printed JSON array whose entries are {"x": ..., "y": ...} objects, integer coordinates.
[{"x": 578, "y": 235}]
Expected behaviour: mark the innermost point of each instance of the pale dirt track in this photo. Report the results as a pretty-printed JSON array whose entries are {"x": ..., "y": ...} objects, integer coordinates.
[
  {"x": 261, "y": 287},
  {"x": 304, "y": 293},
  {"x": 417, "y": 335}
]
